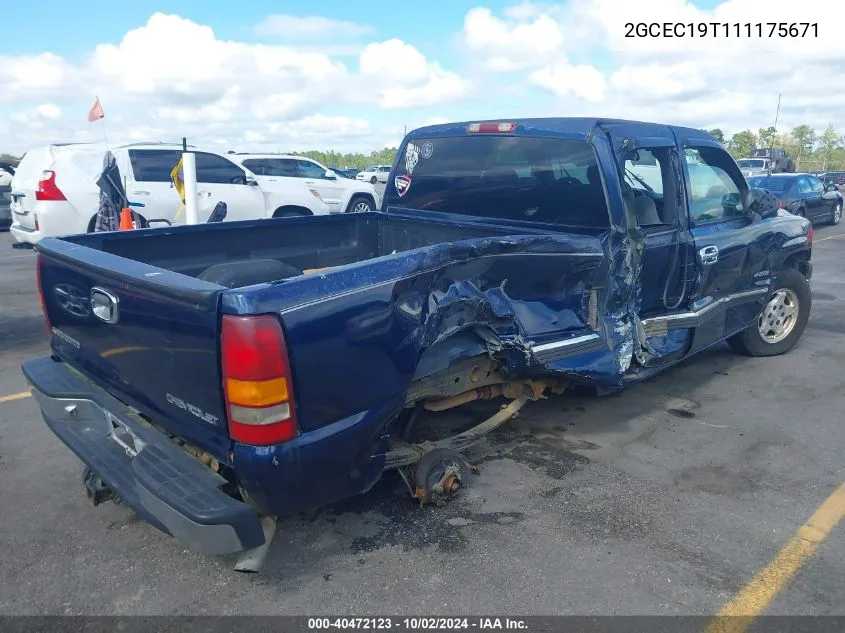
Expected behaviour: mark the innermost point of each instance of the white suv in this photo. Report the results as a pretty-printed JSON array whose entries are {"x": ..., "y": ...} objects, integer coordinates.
[
  {"x": 288, "y": 176},
  {"x": 54, "y": 190},
  {"x": 375, "y": 174}
]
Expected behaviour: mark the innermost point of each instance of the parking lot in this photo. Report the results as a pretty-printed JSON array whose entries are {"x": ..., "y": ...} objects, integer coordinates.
[{"x": 665, "y": 499}]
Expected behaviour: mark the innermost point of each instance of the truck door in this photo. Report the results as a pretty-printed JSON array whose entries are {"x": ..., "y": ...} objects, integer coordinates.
[{"x": 731, "y": 254}]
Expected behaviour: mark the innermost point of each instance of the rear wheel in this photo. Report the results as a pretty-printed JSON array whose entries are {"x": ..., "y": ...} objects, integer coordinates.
[
  {"x": 373, "y": 180},
  {"x": 782, "y": 321}
]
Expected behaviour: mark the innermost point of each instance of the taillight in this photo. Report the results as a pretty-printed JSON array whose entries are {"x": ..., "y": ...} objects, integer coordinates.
[
  {"x": 810, "y": 234},
  {"x": 257, "y": 380},
  {"x": 47, "y": 189},
  {"x": 40, "y": 287},
  {"x": 781, "y": 204},
  {"x": 491, "y": 128}
]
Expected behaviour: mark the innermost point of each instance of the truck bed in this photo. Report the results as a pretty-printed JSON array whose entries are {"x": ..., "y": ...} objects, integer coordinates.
[
  {"x": 306, "y": 243},
  {"x": 399, "y": 299}
]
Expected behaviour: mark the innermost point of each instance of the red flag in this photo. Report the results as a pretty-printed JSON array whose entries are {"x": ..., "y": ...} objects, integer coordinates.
[{"x": 96, "y": 111}]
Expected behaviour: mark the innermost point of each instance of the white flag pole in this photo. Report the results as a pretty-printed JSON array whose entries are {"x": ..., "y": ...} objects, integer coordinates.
[{"x": 189, "y": 177}]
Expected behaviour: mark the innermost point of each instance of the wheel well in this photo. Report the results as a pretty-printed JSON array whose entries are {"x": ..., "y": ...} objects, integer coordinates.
[
  {"x": 357, "y": 196},
  {"x": 798, "y": 261},
  {"x": 292, "y": 209},
  {"x": 93, "y": 221}
]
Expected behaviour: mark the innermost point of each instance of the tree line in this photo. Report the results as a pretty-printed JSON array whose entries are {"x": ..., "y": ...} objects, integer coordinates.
[
  {"x": 816, "y": 151},
  {"x": 331, "y": 158}
]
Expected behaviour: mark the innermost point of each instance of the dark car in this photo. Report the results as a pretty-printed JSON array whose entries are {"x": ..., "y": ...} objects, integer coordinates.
[
  {"x": 834, "y": 178},
  {"x": 347, "y": 173},
  {"x": 804, "y": 195}
]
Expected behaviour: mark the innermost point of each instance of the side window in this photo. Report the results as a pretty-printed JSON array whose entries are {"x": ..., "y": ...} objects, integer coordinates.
[
  {"x": 213, "y": 169},
  {"x": 255, "y": 165},
  {"x": 803, "y": 185},
  {"x": 385, "y": 169},
  {"x": 307, "y": 169},
  {"x": 816, "y": 185},
  {"x": 153, "y": 165},
  {"x": 651, "y": 179},
  {"x": 283, "y": 167},
  {"x": 714, "y": 193}
]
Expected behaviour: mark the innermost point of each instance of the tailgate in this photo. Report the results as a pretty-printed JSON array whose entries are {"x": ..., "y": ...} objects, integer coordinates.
[{"x": 147, "y": 335}]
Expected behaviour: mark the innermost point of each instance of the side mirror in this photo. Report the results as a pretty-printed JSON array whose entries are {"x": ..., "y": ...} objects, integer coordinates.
[
  {"x": 831, "y": 187},
  {"x": 249, "y": 180},
  {"x": 760, "y": 203},
  {"x": 330, "y": 175}
]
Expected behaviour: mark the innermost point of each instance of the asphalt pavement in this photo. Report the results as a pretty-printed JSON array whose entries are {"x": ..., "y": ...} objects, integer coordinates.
[{"x": 665, "y": 499}]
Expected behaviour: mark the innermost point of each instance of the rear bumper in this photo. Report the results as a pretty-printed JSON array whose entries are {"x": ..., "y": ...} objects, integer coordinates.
[
  {"x": 24, "y": 235},
  {"x": 163, "y": 484}
]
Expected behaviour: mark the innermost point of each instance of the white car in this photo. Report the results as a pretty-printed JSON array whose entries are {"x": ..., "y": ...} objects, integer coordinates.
[
  {"x": 290, "y": 177},
  {"x": 54, "y": 190},
  {"x": 374, "y": 174}
]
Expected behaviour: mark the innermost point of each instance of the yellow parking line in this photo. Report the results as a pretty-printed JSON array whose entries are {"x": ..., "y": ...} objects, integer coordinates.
[
  {"x": 752, "y": 600},
  {"x": 15, "y": 396}
]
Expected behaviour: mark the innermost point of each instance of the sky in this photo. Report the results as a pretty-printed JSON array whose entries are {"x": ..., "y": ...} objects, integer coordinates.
[{"x": 352, "y": 76}]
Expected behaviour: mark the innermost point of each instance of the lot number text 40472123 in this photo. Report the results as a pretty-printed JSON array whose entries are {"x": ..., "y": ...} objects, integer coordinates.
[{"x": 416, "y": 624}]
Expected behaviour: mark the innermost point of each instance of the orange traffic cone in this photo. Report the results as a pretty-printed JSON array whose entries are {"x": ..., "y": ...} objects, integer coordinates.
[{"x": 126, "y": 220}]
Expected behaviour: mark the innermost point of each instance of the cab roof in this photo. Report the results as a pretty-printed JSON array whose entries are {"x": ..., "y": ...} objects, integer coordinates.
[{"x": 576, "y": 128}]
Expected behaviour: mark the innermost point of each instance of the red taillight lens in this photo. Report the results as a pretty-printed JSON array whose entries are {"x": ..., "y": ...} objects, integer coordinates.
[
  {"x": 257, "y": 380},
  {"x": 40, "y": 287},
  {"x": 781, "y": 204},
  {"x": 491, "y": 128},
  {"x": 810, "y": 234},
  {"x": 47, "y": 189}
]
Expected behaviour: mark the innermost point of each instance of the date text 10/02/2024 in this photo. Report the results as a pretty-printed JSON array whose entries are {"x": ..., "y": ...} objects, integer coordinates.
[
  {"x": 722, "y": 29},
  {"x": 416, "y": 624}
]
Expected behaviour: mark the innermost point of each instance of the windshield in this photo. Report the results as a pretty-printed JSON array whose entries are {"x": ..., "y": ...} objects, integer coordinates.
[
  {"x": 550, "y": 180},
  {"x": 777, "y": 184},
  {"x": 751, "y": 164}
]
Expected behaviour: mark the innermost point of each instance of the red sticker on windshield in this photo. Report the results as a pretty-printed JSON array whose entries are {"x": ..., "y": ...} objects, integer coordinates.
[{"x": 402, "y": 184}]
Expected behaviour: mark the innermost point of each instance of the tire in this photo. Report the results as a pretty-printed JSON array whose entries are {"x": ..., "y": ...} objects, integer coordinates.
[
  {"x": 836, "y": 216},
  {"x": 373, "y": 180},
  {"x": 792, "y": 289},
  {"x": 360, "y": 204}
]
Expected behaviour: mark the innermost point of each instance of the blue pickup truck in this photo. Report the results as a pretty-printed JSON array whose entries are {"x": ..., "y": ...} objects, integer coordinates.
[{"x": 214, "y": 377}]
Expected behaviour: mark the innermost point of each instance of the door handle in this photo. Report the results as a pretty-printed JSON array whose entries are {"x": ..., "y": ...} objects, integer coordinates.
[
  {"x": 140, "y": 193},
  {"x": 709, "y": 255}
]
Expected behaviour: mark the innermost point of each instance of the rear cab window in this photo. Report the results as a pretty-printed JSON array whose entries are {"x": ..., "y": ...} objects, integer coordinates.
[{"x": 548, "y": 180}]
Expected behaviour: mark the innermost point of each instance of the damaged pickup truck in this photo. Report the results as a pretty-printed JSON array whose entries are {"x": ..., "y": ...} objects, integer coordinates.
[{"x": 216, "y": 377}]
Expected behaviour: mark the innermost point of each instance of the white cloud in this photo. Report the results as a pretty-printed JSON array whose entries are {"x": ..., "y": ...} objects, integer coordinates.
[
  {"x": 523, "y": 40},
  {"x": 40, "y": 116},
  {"x": 563, "y": 79},
  {"x": 320, "y": 82},
  {"x": 172, "y": 77},
  {"x": 402, "y": 76},
  {"x": 291, "y": 27}
]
